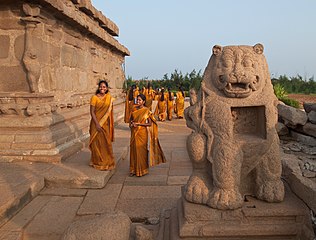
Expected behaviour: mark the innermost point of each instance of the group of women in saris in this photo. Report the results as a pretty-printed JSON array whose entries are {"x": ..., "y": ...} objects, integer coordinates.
[
  {"x": 145, "y": 149},
  {"x": 166, "y": 104}
]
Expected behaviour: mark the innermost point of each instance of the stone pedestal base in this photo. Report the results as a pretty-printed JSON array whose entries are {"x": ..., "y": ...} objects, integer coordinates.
[
  {"x": 255, "y": 220},
  {"x": 37, "y": 128}
]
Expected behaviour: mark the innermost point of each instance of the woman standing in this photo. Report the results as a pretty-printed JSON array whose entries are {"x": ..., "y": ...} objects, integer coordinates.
[
  {"x": 180, "y": 103},
  {"x": 170, "y": 104},
  {"x": 130, "y": 102},
  {"x": 142, "y": 124},
  {"x": 102, "y": 128},
  {"x": 150, "y": 96},
  {"x": 161, "y": 108}
]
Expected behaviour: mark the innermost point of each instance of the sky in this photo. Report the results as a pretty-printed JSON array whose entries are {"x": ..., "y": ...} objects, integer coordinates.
[{"x": 167, "y": 35}]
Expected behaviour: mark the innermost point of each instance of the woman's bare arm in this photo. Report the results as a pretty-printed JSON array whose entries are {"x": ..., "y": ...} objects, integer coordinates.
[
  {"x": 94, "y": 118},
  {"x": 147, "y": 124}
]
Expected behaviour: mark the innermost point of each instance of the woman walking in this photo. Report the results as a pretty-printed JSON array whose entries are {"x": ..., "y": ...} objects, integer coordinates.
[
  {"x": 144, "y": 132},
  {"x": 130, "y": 102},
  {"x": 170, "y": 103},
  {"x": 161, "y": 108},
  {"x": 150, "y": 96},
  {"x": 102, "y": 128},
  {"x": 180, "y": 103}
]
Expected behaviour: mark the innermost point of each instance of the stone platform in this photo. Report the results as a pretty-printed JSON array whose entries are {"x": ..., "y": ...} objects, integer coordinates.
[
  {"x": 255, "y": 220},
  {"x": 38, "y": 201}
]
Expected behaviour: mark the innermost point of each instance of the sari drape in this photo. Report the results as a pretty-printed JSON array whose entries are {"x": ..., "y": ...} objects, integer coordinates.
[
  {"x": 141, "y": 157},
  {"x": 150, "y": 95},
  {"x": 100, "y": 144},
  {"x": 130, "y": 105},
  {"x": 128, "y": 108},
  {"x": 179, "y": 105},
  {"x": 161, "y": 109},
  {"x": 170, "y": 104}
]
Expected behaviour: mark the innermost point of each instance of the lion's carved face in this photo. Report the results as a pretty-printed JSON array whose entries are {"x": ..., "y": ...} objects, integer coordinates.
[{"x": 238, "y": 72}]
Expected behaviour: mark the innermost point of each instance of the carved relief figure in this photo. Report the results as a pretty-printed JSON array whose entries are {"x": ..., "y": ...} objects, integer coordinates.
[
  {"x": 234, "y": 147},
  {"x": 30, "y": 58}
]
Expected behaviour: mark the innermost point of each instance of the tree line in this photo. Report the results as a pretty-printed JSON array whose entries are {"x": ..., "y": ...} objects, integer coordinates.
[
  {"x": 172, "y": 81},
  {"x": 193, "y": 80},
  {"x": 296, "y": 84}
]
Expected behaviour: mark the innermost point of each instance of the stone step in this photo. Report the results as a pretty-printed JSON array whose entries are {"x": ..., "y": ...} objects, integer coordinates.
[
  {"x": 76, "y": 173},
  {"x": 19, "y": 183},
  {"x": 30, "y": 178}
]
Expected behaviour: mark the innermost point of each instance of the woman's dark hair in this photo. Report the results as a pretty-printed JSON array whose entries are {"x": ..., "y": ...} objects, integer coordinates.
[
  {"x": 162, "y": 98},
  {"x": 181, "y": 89},
  {"x": 142, "y": 96},
  {"x": 169, "y": 91},
  {"x": 131, "y": 93},
  {"x": 99, "y": 84}
]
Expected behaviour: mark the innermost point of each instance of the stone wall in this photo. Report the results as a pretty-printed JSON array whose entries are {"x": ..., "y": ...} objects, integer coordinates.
[
  {"x": 297, "y": 131},
  {"x": 52, "y": 55}
]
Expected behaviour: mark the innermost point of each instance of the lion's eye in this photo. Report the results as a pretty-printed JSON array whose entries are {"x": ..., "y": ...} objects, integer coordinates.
[
  {"x": 227, "y": 63},
  {"x": 247, "y": 62}
]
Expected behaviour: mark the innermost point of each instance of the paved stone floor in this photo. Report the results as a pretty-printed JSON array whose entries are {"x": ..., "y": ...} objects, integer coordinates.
[{"x": 38, "y": 201}]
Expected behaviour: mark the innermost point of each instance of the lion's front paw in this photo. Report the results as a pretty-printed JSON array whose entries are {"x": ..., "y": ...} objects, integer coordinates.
[
  {"x": 271, "y": 191},
  {"x": 225, "y": 199},
  {"x": 197, "y": 190}
]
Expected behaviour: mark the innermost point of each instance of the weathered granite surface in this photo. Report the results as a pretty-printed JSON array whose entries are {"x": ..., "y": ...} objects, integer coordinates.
[
  {"x": 234, "y": 147},
  {"x": 53, "y": 53}
]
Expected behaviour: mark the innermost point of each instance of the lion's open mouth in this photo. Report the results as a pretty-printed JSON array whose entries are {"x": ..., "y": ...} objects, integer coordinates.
[{"x": 238, "y": 88}]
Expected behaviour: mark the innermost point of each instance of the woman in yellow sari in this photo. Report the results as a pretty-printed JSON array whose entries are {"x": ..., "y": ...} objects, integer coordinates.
[
  {"x": 130, "y": 102},
  {"x": 143, "y": 90},
  {"x": 144, "y": 130},
  {"x": 179, "y": 106},
  {"x": 150, "y": 96},
  {"x": 161, "y": 108},
  {"x": 170, "y": 104},
  {"x": 102, "y": 129}
]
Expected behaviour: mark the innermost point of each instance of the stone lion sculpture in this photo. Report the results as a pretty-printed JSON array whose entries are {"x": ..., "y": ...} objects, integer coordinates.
[{"x": 234, "y": 146}]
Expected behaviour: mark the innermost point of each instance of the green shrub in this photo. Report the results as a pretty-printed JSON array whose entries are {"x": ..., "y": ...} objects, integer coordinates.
[
  {"x": 279, "y": 91},
  {"x": 290, "y": 102}
]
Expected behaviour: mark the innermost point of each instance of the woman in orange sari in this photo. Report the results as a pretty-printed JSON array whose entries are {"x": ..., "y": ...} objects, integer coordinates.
[
  {"x": 161, "y": 108},
  {"x": 179, "y": 106},
  {"x": 150, "y": 96},
  {"x": 144, "y": 130},
  {"x": 102, "y": 129},
  {"x": 170, "y": 104},
  {"x": 130, "y": 102}
]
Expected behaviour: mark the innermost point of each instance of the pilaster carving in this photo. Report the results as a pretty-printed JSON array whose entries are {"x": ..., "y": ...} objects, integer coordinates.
[{"x": 30, "y": 58}]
